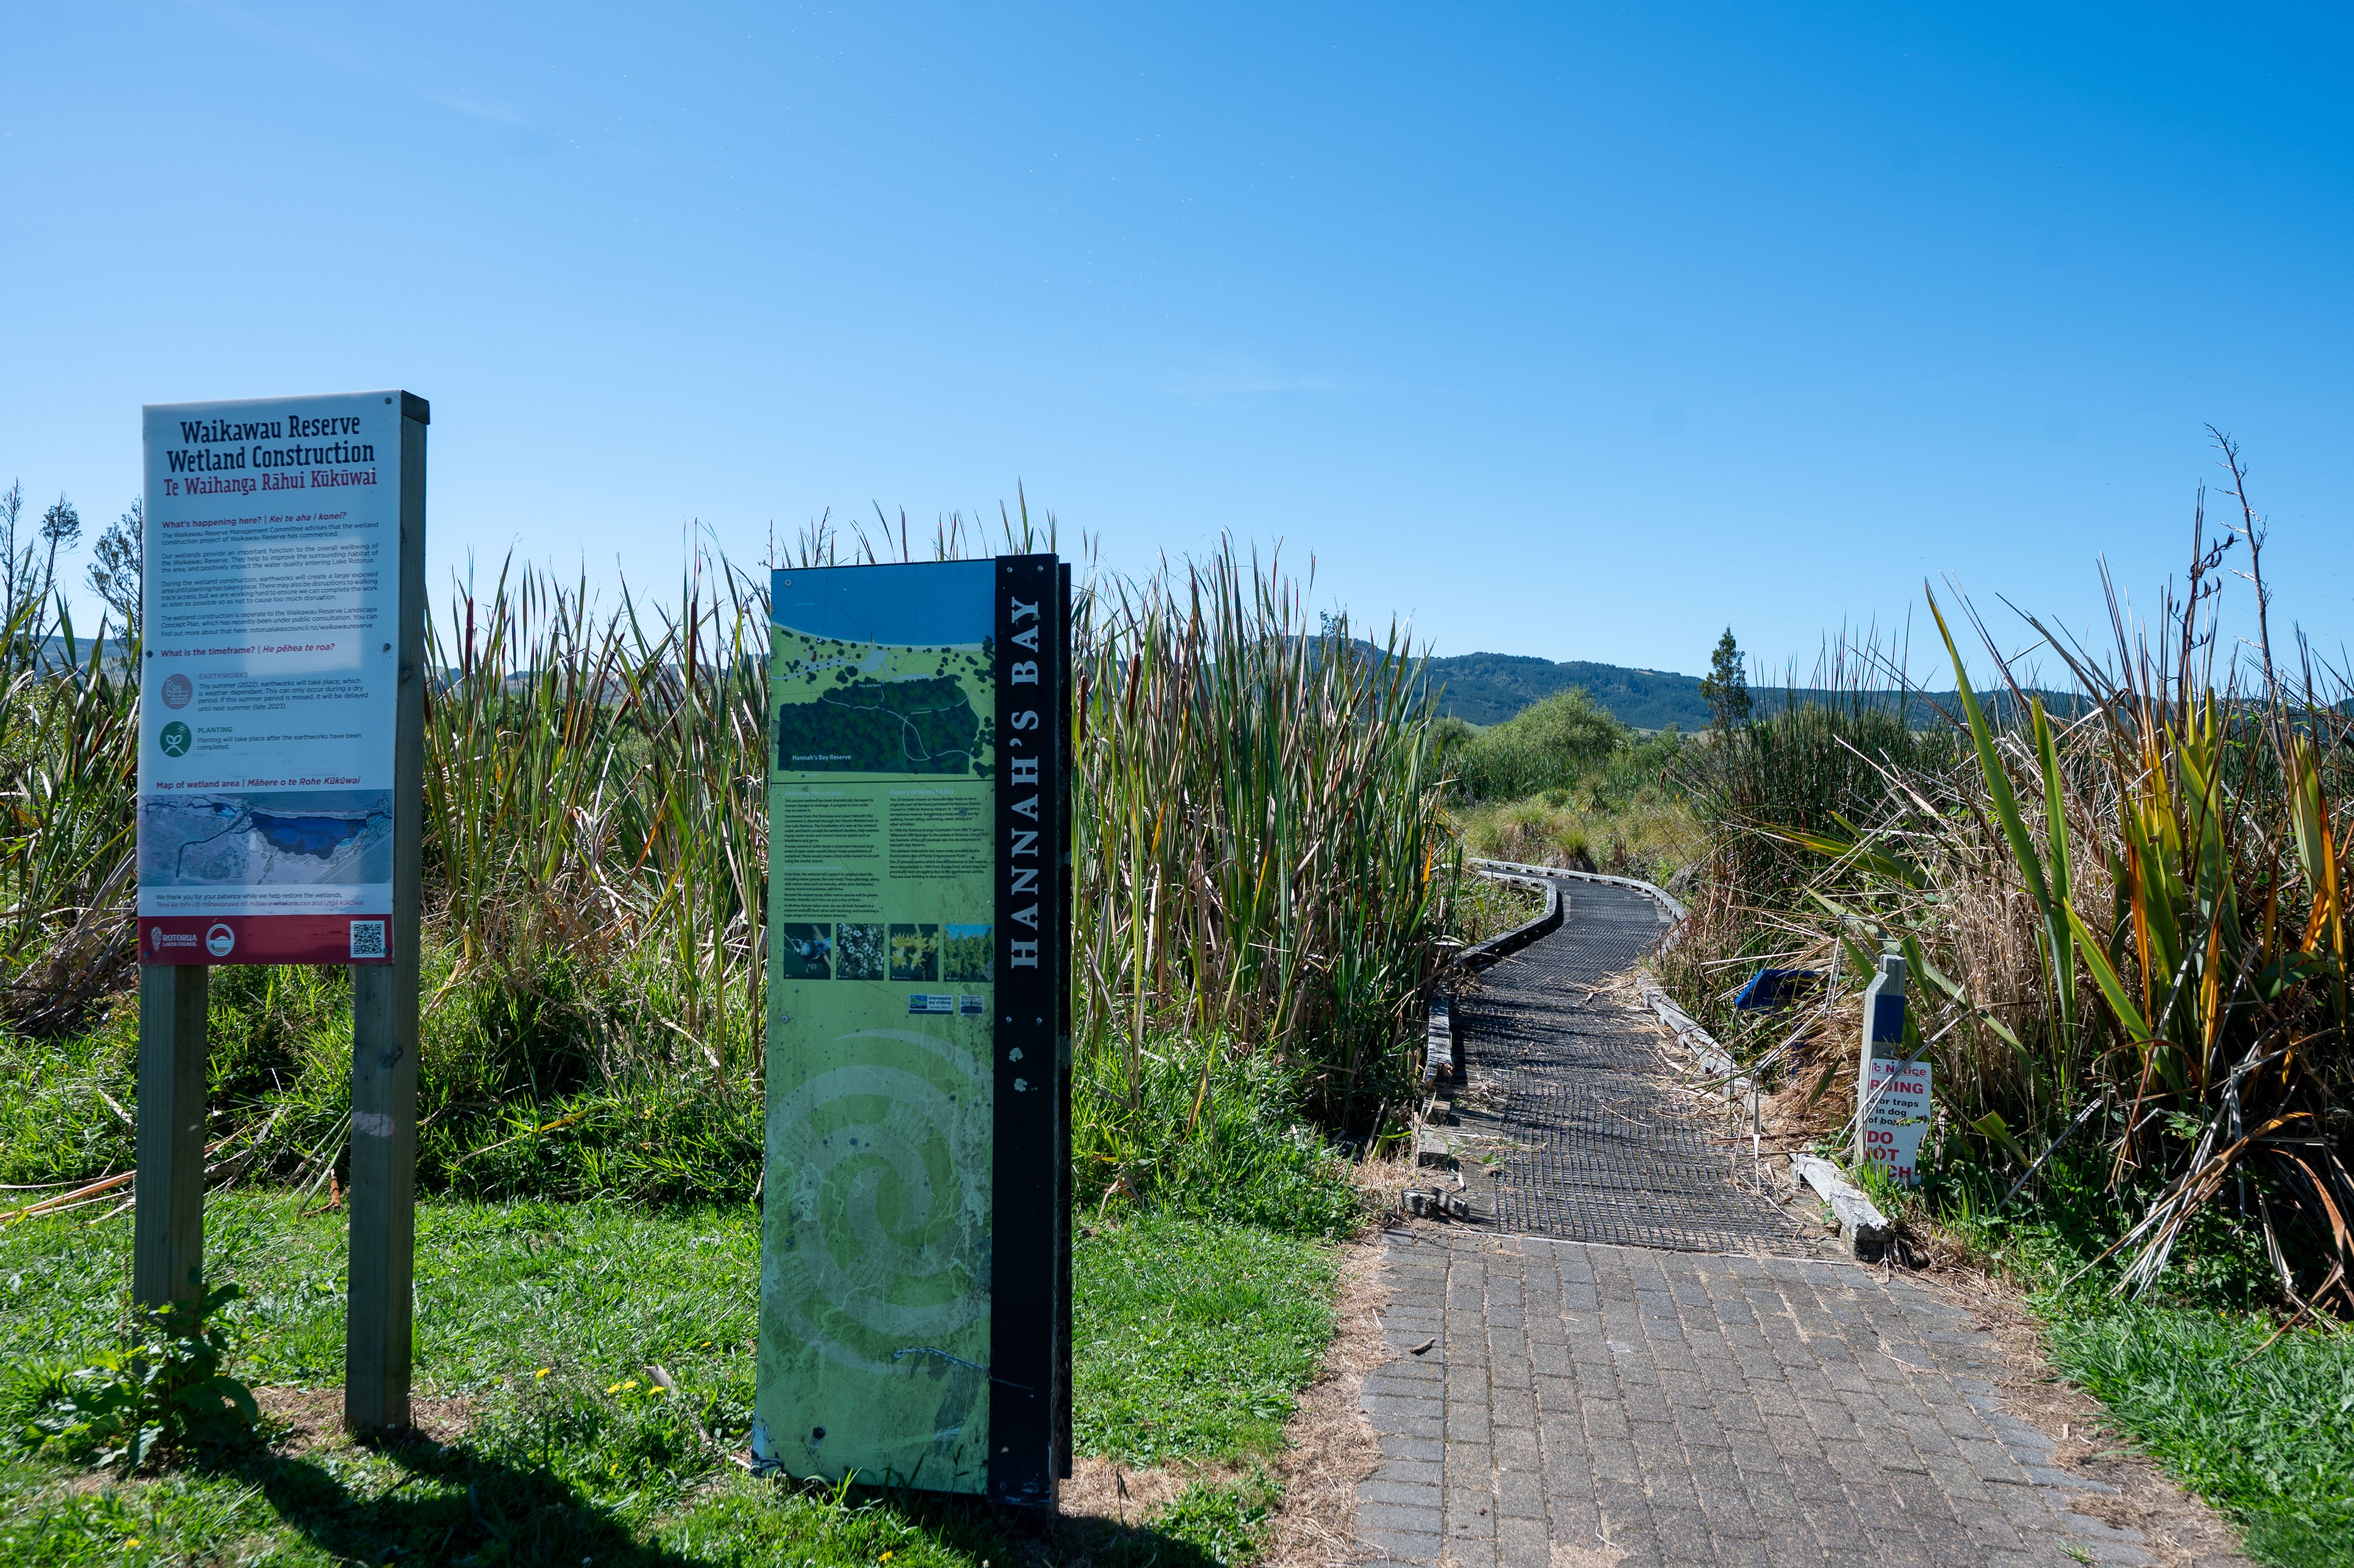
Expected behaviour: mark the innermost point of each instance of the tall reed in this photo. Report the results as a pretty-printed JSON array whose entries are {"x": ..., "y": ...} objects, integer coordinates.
[
  {"x": 595, "y": 786},
  {"x": 1261, "y": 861},
  {"x": 1260, "y": 847}
]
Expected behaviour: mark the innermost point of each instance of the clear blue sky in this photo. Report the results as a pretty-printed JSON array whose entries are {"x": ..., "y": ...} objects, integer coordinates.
[{"x": 1564, "y": 330}]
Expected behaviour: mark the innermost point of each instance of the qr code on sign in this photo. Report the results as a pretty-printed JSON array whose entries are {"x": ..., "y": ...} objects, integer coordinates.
[{"x": 368, "y": 939}]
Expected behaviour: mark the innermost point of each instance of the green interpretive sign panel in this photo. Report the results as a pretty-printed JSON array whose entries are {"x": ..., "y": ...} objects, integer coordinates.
[{"x": 914, "y": 1284}]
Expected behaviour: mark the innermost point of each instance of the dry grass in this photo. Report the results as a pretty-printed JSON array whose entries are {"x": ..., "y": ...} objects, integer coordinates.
[{"x": 1330, "y": 1445}]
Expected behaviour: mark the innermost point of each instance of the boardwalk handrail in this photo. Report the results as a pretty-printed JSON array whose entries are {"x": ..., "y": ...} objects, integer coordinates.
[
  {"x": 1440, "y": 1058},
  {"x": 1676, "y": 911}
]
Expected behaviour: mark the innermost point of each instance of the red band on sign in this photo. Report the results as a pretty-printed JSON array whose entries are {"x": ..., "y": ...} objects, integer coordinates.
[{"x": 265, "y": 939}]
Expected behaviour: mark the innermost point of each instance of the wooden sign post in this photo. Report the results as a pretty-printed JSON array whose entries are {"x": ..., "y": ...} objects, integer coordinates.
[{"x": 281, "y": 803}]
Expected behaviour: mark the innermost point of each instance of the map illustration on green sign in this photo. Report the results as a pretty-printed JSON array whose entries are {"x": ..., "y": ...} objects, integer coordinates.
[
  {"x": 875, "y": 709},
  {"x": 874, "y": 1319}
]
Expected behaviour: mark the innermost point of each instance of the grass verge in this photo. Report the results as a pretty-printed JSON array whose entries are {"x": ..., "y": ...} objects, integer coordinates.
[
  {"x": 2200, "y": 1376},
  {"x": 1191, "y": 1336},
  {"x": 2261, "y": 1427},
  {"x": 544, "y": 1318}
]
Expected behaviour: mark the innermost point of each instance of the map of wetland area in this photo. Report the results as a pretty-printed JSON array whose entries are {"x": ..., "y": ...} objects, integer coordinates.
[
  {"x": 273, "y": 839},
  {"x": 865, "y": 707}
]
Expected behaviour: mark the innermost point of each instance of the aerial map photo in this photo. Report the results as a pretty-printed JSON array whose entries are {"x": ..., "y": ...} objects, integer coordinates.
[
  {"x": 279, "y": 838},
  {"x": 867, "y": 707}
]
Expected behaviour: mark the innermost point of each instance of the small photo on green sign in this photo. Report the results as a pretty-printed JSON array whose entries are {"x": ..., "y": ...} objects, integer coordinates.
[
  {"x": 915, "y": 952},
  {"x": 966, "y": 954},
  {"x": 805, "y": 952},
  {"x": 858, "y": 953}
]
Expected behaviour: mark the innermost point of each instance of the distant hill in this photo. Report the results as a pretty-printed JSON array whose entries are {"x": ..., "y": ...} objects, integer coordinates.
[{"x": 1489, "y": 688}]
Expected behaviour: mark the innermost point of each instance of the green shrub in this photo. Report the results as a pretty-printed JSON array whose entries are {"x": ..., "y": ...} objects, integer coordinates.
[
  {"x": 162, "y": 1390},
  {"x": 529, "y": 1082},
  {"x": 1190, "y": 1126},
  {"x": 1648, "y": 831},
  {"x": 67, "y": 1104},
  {"x": 1552, "y": 743}
]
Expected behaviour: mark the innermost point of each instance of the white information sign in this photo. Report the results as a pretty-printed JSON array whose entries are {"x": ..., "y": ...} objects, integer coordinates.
[
  {"x": 268, "y": 680},
  {"x": 1897, "y": 1114}
]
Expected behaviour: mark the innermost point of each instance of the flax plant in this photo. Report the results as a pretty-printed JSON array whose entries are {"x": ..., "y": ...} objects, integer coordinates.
[
  {"x": 69, "y": 760},
  {"x": 2131, "y": 922}
]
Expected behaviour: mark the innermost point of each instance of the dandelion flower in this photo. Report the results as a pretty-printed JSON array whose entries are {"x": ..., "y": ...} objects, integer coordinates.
[
  {"x": 612, "y": 1388},
  {"x": 630, "y": 1383},
  {"x": 543, "y": 1372}
]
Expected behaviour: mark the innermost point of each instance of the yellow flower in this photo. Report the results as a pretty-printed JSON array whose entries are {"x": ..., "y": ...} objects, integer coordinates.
[
  {"x": 612, "y": 1388},
  {"x": 543, "y": 1372},
  {"x": 630, "y": 1383},
  {"x": 884, "y": 1558}
]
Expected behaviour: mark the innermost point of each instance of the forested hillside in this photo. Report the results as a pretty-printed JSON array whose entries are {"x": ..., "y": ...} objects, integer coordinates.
[{"x": 1489, "y": 688}]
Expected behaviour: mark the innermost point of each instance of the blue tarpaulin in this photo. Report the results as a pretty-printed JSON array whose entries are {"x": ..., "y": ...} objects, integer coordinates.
[{"x": 1776, "y": 988}]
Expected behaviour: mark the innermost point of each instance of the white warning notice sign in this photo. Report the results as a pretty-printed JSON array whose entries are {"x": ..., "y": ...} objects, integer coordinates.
[{"x": 1896, "y": 1113}]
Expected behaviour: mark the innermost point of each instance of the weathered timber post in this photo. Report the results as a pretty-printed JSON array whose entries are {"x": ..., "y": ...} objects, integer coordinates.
[
  {"x": 376, "y": 1333},
  {"x": 167, "y": 1249}
]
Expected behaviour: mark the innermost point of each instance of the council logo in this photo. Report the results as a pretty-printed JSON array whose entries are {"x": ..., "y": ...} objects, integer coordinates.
[
  {"x": 219, "y": 941},
  {"x": 178, "y": 691},
  {"x": 175, "y": 739}
]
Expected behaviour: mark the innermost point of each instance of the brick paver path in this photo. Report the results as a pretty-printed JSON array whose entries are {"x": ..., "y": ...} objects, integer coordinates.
[
  {"x": 1592, "y": 1405},
  {"x": 1586, "y": 1406}
]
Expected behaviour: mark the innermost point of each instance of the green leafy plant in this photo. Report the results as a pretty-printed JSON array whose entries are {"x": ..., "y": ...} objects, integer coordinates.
[
  {"x": 1227, "y": 1521},
  {"x": 164, "y": 1389},
  {"x": 1193, "y": 1125},
  {"x": 2123, "y": 906}
]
